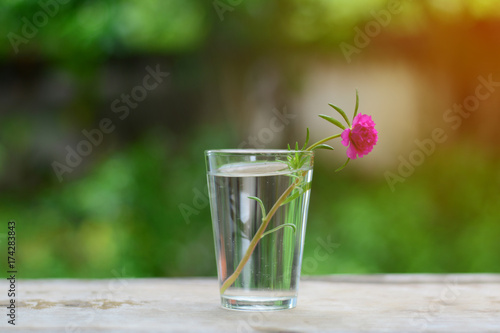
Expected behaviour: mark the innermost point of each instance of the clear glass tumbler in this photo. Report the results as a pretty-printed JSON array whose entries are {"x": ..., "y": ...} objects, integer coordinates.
[{"x": 259, "y": 201}]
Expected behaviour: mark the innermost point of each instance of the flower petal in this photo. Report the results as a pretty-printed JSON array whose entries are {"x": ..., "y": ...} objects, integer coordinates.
[
  {"x": 361, "y": 138},
  {"x": 345, "y": 136}
]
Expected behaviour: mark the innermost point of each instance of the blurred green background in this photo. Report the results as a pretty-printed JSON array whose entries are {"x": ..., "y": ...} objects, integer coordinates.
[{"x": 134, "y": 203}]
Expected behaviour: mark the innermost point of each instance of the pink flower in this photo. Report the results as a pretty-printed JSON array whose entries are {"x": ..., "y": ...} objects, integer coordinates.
[{"x": 362, "y": 136}]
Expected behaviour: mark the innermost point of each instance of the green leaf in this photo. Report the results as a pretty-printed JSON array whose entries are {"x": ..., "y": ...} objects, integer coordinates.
[
  {"x": 306, "y": 186},
  {"x": 298, "y": 191},
  {"x": 293, "y": 176},
  {"x": 290, "y": 198},
  {"x": 296, "y": 160},
  {"x": 291, "y": 225},
  {"x": 302, "y": 160},
  {"x": 343, "y": 166},
  {"x": 333, "y": 121},
  {"x": 307, "y": 140},
  {"x": 261, "y": 205},
  {"x": 323, "y": 146},
  {"x": 342, "y": 113},
  {"x": 357, "y": 105}
]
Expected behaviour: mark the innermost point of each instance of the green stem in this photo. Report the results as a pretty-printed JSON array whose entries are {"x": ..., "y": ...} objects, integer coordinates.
[
  {"x": 291, "y": 225},
  {"x": 323, "y": 141},
  {"x": 265, "y": 221}
]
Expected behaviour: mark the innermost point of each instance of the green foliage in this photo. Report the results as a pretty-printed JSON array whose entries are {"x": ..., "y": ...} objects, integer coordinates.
[
  {"x": 342, "y": 113},
  {"x": 290, "y": 225},
  {"x": 444, "y": 218},
  {"x": 301, "y": 188},
  {"x": 343, "y": 165},
  {"x": 323, "y": 146},
  {"x": 262, "y": 207},
  {"x": 101, "y": 28},
  {"x": 123, "y": 217},
  {"x": 333, "y": 121}
]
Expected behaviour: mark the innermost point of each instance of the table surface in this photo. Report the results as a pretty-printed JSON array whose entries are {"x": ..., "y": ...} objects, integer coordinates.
[{"x": 340, "y": 303}]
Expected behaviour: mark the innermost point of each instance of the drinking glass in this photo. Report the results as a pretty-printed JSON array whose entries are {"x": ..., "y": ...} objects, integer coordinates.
[{"x": 248, "y": 188}]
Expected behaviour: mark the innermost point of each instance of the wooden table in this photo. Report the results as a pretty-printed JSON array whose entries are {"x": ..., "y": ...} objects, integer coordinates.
[{"x": 345, "y": 303}]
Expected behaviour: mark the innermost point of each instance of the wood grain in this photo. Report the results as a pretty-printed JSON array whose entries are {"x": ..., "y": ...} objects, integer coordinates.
[{"x": 342, "y": 303}]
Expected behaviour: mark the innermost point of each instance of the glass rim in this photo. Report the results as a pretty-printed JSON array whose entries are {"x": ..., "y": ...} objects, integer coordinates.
[{"x": 254, "y": 151}]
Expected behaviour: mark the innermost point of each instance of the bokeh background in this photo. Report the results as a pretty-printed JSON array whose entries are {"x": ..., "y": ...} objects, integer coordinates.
[{"x": 247, "y": 73}]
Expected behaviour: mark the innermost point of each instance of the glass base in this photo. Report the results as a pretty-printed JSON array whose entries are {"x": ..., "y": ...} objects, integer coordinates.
[{"x": 258, "y": 303}]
